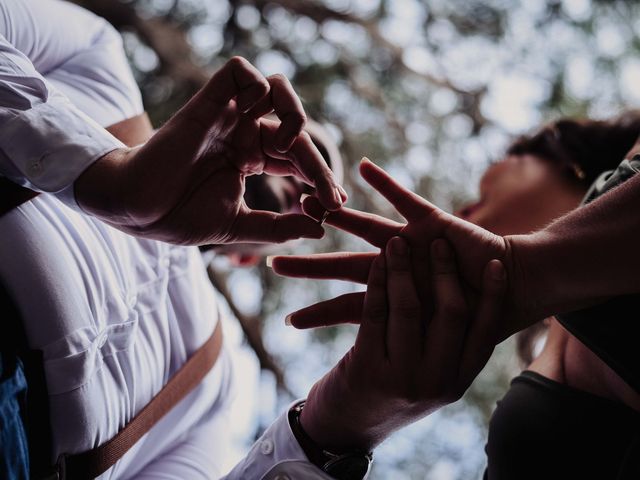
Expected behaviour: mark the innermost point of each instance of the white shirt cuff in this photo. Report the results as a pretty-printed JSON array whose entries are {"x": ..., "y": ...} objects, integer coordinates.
[
  {"x": 49, "y": 145},
  {"x": 277, "y": 455}
]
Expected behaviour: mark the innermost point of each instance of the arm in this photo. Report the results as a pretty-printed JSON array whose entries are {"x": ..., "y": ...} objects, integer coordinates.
[
  {"x": 582, "y": 258},
  {"x": 186, "y": 185},
  {"x": 45, "y": 141},
  {"x": 408, "y": 360}
]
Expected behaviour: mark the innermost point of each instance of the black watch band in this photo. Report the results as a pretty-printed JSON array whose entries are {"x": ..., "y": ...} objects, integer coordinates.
[{"x": 346, "y": 466}]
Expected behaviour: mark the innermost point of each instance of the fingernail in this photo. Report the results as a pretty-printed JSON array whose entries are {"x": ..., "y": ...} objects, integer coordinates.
[
  {"x": 398, "y": 246},
  {"x": 344, "y": 193},
  {"x": 442, "y": 249},
  {"x": 364, "y": 160},
  {"x": 337, "y": 196},
  {"x": 497, "y": 271},
  {"x": 248, "y": 106},
  {"x": 287, "y": 320},
  {"x": 324, "y": 217},
  {"x": 251, "y": 96},
  {"x": 283, "y": 143},
  {"x": 303, "y": 196},
  {"x": 269, "y": 260}
]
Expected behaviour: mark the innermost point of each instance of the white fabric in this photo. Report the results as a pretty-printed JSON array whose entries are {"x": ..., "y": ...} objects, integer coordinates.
[
  {"x": 115, "y": 316},
  {"x": 62, "y": 140}
]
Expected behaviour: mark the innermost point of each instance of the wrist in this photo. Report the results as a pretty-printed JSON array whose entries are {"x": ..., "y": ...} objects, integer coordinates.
[
  {"x": 343, "y": 465},
  {"x": 337, "y": 426},
  {"x": 533, "y": 292},
  {"x": 98, "y": 189},
  {"x": 519, "y": 303}
]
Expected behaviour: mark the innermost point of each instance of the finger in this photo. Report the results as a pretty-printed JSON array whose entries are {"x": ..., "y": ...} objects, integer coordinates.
[
  {"x": 422, "y": 278},
  {"x": 349, "y": 266},
  {"x": 306, "y": 158},
  {"x": 447, "y": 329},
  {"x": 374, "y": 229},
  {"x": 343, "y": 309},
  {"x": 286, "y": 104},
  {"x": 371, "y": 341},
  {"x": 274, "y": 162},
  {"x": 268, "y": 227},
  {"x": 484, "y": 331},
  {"x": 404, "y": 326},
  {"x": 283, "y": 168},
  {"x": 410, "y": 205},
  {"x": 236, "y": 79}
]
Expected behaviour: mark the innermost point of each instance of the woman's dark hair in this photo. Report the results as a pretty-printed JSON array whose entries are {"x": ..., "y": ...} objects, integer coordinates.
[{"x": 583, "y": 149}]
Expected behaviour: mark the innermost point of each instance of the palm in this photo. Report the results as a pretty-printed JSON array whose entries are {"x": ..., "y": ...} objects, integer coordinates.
[{"x": 474, "y": 247}]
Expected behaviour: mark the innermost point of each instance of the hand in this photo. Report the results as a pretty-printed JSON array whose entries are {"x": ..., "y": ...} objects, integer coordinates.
[
  {"x": 185, "y": 185},
  {"x": 405, "y": 364},
  {"x": 474, "y": 247}
]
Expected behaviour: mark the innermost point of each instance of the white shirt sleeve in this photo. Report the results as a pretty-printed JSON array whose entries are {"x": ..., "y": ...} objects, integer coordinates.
[
  {"x": 78, "y": 52},
  {"x": 58, "y": 88},
  {"x": 46, "y": 142},
  {"x": 277, "y": 455}
]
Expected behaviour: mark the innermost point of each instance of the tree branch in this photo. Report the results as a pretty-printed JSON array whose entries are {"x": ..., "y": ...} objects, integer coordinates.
[
  {"x": 252, "y": 328},
  {"x": 166, "y": 39}
]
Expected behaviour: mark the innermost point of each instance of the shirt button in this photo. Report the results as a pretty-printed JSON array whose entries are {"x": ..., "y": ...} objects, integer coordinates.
[
  {"x": 102, "y": 340},
  {"x": 266, "y": 447},
  {"x": 132, "y": 298}
]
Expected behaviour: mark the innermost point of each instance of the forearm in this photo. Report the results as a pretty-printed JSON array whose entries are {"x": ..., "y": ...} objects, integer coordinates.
[{"x": 580, "y": 259}]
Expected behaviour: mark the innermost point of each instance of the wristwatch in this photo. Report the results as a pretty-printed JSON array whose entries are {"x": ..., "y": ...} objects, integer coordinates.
[{"x": 346, "y": 466}]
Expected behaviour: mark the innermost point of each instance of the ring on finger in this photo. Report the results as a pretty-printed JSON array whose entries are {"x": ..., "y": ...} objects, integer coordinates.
[{"x": 324, "y": 217}]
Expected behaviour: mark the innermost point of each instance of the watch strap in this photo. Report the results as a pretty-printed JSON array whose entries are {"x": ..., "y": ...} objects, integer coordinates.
[{"x": 347, "y": 466}]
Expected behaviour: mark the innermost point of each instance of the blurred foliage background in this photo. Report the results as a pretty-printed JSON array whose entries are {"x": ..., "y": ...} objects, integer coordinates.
[{"x": 433, "y": 91}]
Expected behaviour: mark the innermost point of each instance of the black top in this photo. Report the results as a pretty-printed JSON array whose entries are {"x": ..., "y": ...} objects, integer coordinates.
[
  {"x": 612, "y": 329},
  {"x": 543, "y": 429}
]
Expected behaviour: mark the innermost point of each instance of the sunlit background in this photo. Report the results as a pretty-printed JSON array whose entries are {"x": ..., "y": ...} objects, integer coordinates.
[{"x": 433, "y": 91}]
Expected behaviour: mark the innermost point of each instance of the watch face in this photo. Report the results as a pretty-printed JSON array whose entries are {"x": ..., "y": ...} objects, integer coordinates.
[{"x": 349, "y": 467}]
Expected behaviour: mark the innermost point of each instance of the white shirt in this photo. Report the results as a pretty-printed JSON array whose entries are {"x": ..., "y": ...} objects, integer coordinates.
[{"x": 114, "y": 315}]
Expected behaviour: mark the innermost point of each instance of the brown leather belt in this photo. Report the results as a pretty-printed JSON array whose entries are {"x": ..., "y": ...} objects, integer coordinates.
[{"x": 94, "y": 462}]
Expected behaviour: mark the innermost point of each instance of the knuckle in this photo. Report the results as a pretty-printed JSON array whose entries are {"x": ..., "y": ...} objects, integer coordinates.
[
  {"x": 400, "y": 265},
  {"x": 304, "y": 138},
  {"x": 299, "y": 119},
  {"x": 264, "y": 86},
  {"x": 453, "y": 310},
  {"x": 237, "y": 61},
  {"x": 278, "y": 234},
  {"x": 407, "y": 310},
  {"x": 279, "y": 78}
]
